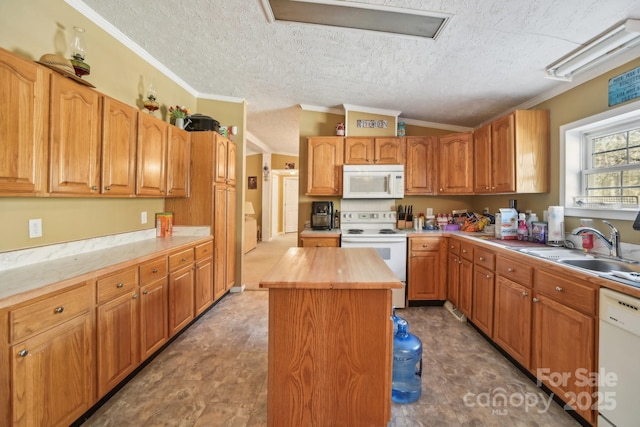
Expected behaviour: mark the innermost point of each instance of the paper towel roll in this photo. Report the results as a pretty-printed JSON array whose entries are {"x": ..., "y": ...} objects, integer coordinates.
[{"x": 555, "y": 224}]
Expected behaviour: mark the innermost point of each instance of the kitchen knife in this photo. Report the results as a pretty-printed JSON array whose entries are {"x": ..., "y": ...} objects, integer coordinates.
[{"x": 400, "y": 214}]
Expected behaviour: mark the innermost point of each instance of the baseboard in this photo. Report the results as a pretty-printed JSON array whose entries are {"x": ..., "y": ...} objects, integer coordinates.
[{"x": 237, "y": 289}]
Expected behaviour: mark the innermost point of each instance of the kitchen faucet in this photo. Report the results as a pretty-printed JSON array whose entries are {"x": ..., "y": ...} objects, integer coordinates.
[{"x": 613, "y": 242}]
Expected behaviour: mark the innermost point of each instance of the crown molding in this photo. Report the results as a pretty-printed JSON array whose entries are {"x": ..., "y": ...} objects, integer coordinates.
[
  {"x": 434, "y": 125},
  {"x": 370, "y": 110}
]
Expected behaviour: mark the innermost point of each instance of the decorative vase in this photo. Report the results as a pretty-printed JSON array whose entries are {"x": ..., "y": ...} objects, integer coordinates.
[{"x": 180, "y": 122}]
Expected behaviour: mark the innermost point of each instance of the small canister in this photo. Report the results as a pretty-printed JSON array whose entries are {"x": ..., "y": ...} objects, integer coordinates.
[
  {"x": 401, "y": 129},
  {"x": 340, "y": 129}
]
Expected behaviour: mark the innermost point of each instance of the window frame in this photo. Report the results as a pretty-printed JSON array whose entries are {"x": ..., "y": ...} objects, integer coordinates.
[{"x": 572, "y": 141}]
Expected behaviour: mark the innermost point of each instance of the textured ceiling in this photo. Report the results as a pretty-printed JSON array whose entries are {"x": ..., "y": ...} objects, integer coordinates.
[{"x": 489, "y": 58}]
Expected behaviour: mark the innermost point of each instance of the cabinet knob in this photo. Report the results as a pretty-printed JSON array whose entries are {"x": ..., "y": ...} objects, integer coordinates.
[
  {"x": 183, "y": 259},
  {"x": 558, "y": 288},
  {"x": 488, "y": 276},
  {"x": 170, "y": 191},
  {"x": 23, "y": 353},
  {"x": 58, "y": 310},
  {"x": 108, "y": 187},
  {"x": 425, "y": 245},
  {"x": 335, "y": 190},
  {"x": 120, "y": 285},
  {"x": 510, "y": 270},
  {"x": 451, "y": 247},
  {"x": 536, "y": 300},
  {"x": 459, "y": 262},
  {"x": 524, "y": 293},
  {"x": 135, "y": 296},
  {"x": 481, "y": 258},
  {"x": 464, "y": 251},
  {"x": 155, "y": 270},
  {"x": 442, "y": 189},
  {"x": 145, "y": 292},
  {"x": 318, "y": 245}
]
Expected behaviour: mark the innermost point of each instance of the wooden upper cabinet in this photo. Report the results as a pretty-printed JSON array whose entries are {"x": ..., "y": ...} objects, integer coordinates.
[
  {"x": 76, "y": 113},
  {"x": 455, "y": 171},
  {"x": 178, "y": 155},
  {"x": 420, "y": 168},
  {"x": 225, "y": 157},
  {"x": 511, "y": 154},
  {"x": 119, "y": 130},
  {"x": 24, "y": 102},
  {"x": 152, "y": 149},
  {"x": 366, "y": 151},
  {"x": 324, "y": 166}
]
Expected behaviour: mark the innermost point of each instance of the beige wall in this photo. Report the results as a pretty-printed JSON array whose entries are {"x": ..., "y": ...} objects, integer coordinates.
[
  {"x": 254, "y": 168},
  {"x": 278, "y": 161},
  {"x": 31, "y": 28}
]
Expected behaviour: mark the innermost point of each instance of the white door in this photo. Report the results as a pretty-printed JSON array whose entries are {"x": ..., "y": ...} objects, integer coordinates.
[{"x": 290, "y": 207}]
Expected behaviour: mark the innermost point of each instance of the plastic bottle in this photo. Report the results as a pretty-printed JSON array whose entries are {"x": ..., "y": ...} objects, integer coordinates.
[
  {"x": 336, "y": 219},
  {"x": 395, "y": 319},
  {"x": 523, "y": 232},
  {"x": 532, "y": 217},
  {"x": 406, "y": 383}
]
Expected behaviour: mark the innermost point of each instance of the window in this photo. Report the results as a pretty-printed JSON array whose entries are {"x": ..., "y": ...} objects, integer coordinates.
[{"x": 600, "y": 164}]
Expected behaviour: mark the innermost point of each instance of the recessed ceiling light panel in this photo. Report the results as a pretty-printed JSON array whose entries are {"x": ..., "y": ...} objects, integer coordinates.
[{"x": 408, "y": 22}]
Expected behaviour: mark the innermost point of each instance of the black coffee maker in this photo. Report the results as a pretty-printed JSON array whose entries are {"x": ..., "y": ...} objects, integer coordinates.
[{"x": 321, "y": 215}]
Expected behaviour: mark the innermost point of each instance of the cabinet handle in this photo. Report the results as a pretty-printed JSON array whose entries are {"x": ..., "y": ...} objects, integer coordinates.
[
  {"x": 94, "y": 188},
  {"x": 459, "y": 262},
  {"x": 155, "y": 270},
  {"x": 464, "y": 251},
  {"x": 145, "y": 292},
  {"x": 335, "y": 190},
  {"x": 536, "y": 300},
  {"x": 58, "y": 310},
  {"x": 510, "y": 270},
  {"x": 318, "y": 245},
  {"x": 108, "y": 187},
  {"x": 524, "y": 293},
  {"x": 183, "y": 259},
  {"x": 23, "y": 353},
  {"x": 135, "y": 296},
  {"x": 119, "y": 285},
  {"x": 488, "y": 276},
  {"x": 424, "y": 245},
  {"x": 481, "y": 258},
  {"x": 442, "y": 189},
  {"x": 451, "y": 247},
  {"x": 558, "y": 288},
  {"x": 170, "y": 191}
]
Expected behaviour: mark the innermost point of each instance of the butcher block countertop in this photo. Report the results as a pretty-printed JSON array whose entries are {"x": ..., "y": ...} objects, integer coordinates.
[{"x": 330, "y": 268}]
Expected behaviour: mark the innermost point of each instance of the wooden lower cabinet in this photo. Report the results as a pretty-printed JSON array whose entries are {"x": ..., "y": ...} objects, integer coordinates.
[
  {"x": 453, "y": 277},
  {"x": 483, "y": 289},
  {"x": 181, "y": 307},
  {"x": 318, "y": 241},
  {"x": 154, "y": 314},
  {"x": 512, "y": 319},
  {"x": 426, "y": 278},
  {"x": 465, "y": 291},
  {"x": 203, "y": 284}
]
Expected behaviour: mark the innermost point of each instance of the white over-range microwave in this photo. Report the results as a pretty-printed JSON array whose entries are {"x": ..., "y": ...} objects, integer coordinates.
[{"x": 373, "y": 182}]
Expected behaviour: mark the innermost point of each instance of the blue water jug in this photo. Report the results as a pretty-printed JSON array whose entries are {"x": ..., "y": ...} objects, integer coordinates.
[
  {"x": 406, "y": 382},
  {"x": 395, "y": 319}
]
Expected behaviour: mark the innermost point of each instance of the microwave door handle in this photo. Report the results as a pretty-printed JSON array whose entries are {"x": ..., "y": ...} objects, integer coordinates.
[{"x": 388, "y": 182}]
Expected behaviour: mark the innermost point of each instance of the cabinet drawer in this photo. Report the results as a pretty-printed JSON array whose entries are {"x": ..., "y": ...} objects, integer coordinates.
[
  {"x": 425, "y": 243},
  {"x": 484, "y": 259},
  {"x": 466, "y": 251},
  {"x": 39, "y": 316},
  {"x": 116, "y": 284},
  {"x": 573, "y": 294},
  {"x": 454, "y": 246},
  {"x": 204, "y": 250},
  {"x": 153, "y": 270},
  {"x": 317, "y": 242},
  {"x": 180, "y": 259},
  {"x": 513, "y": 270}
]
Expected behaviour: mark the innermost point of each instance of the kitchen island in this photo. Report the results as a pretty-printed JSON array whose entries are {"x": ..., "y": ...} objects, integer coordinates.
[{"x": 330, "y": 338}]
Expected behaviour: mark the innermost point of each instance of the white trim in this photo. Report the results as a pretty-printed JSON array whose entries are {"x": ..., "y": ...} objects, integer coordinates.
[
  {"x": 319, "y": 109},
  {"x": 570, "y": 135},
  {"x": 434, "y": 125},
  {"x": 371, "y": 110},
  {"x": 224, "y": 98}
]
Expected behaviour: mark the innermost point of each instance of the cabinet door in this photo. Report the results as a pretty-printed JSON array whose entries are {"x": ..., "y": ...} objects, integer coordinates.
[
  {"x": 453, "y": 279},
  {"x": 221, "y": 167},
  {"x": 482, "y": 310},
  {"x": 154, "y": 313},
  {"x": 358, "y": 151},
  {"x": 504, "y": 155},
  {"x": 482, "y": 163},
  {"x": 117, "y": 340},
  {"x": 231, "y": 238},
  {"x": 421, "y": 165},
  {"x": 152, "y": 153},
  {"x": 181, "y": 299},
  {"x": 119, "y": 130},
  {"x": 204, "y": 285},
  {"x": 53, "y": 375},
  {"x": 232, "y": 154},
  {"x": 564, "y": 347},
  {"x": 318, "y": 242},
  {"x": 389, "y": 151},
  {"x": 465, "y": 292},
  {"x": 424, "y": 276},
  {"x": 512, "y": 319},
  {"x": 178, "y": 155},
  {"x": 220, "y": 240},
  {"x": 24, "y": 96},
  {"x": 455, "y": 174},
  {"x": 75, "y": 137},
  {"x": 324, "y": 166}
]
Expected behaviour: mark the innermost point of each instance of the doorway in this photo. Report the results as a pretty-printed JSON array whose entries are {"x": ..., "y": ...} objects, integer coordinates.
[{"x": 290, "y": 204}]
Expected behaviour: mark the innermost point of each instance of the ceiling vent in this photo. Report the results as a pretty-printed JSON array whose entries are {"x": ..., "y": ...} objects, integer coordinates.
[{"x": 360, "y": 16}]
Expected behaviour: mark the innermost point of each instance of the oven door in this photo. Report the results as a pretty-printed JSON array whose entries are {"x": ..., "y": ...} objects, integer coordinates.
[{"x": 392, "y": 249}]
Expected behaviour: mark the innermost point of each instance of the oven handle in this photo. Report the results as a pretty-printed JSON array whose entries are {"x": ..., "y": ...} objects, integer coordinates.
[{"x": 374, "y": 240}]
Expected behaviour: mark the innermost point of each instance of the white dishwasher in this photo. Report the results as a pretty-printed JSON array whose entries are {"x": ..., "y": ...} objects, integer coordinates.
[{"x": 619, "y": 352}]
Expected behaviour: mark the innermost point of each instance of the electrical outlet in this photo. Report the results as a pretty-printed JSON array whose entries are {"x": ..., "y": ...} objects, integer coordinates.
[
  {"x": 143, "y": 217},
  {"x": 429, "y": 211},
  {"x": 35, "y": 228}
]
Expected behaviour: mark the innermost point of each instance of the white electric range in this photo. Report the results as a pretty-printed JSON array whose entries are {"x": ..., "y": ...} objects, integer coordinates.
[{"x": 378, "y": 230}]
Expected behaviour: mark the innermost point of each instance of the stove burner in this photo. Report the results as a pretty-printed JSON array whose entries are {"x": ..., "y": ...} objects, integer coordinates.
[
  {"x": 355, "y": 231},
  {"x": 387, "y": 231}
]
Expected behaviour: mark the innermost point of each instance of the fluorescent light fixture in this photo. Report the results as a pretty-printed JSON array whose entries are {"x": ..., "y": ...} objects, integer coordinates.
[
  {"x": 598, "y": 50},
  {"x": 360, "y": 16}
]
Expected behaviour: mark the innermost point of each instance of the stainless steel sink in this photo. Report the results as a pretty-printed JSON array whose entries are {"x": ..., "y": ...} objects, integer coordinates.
[
  {"x": 556, "y": 253},
  {"x": 601, "y": 264}
]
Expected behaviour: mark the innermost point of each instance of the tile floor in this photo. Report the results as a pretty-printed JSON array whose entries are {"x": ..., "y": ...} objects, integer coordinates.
[{"x": 215, "y": 374}]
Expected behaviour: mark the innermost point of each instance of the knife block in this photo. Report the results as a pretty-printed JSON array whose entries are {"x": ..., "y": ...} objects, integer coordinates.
[{"x": 402, "y": 224}]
